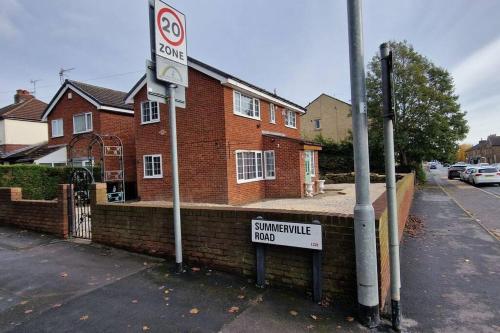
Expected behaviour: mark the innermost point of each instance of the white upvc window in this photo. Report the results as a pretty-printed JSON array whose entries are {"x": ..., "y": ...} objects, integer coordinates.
[
  {"x": 150, "y": 112},
  {"x": 249, "y": 166},
  {"x": 317, "y": 123},
  {"x": 269, "y": 164},
  {"x": 57, "y": 128},
  {"x": 272, "y": 113},
  {"x": 246, "y": 106},
  {"x": 152, "y": 166},
  {"x": 290, "y": 119},
  {"x": 82, "y": 123}
]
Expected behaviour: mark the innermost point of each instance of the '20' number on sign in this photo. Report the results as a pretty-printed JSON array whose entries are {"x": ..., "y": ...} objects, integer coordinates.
[{"x": 173, "y": 28}]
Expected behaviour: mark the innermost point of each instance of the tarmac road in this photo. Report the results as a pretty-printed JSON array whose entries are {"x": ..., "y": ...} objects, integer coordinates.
[{"x": 482, "y": 203}]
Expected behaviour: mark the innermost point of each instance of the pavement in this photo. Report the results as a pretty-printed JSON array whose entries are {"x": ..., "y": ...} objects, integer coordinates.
[
  {"x": 50, "y": 285},
  {"x": 450, "y": 274}
]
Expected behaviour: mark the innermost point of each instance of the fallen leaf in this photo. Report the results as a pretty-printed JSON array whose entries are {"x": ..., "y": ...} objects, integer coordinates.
[
  {"x": 28, "y": 311},
  {"x": 166, "y": 291},
  {"x": 64, "y": 274},
  {"x": 194, "y": 311},
  {"x": 310, "y": 327},
  {"x": 314, "y": 317},
  {"x": 161, "y": 287},
  {"x": 24, "y": 302},
  {"x": 145, "y": 263},
  {"x": 195, "y": 269},
  {"x": 293, "y": 312},
  {"x": 233, "y": 309},
  {"x": 241, "y": 296},
  {"x": 84, "y": 317},
  {"x": 145, "y": 328},
  {"x": 57, "y": 305},
  {"x": 349, "y": 319},
  {"x": 135, "y": 301}
]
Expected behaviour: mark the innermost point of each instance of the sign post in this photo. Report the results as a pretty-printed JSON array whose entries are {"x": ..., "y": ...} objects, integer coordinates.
[{"x": 169, "y": 52}]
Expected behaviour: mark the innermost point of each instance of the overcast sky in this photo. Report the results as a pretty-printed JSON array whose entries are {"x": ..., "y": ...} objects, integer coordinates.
[{"x": 298, "y": 47}]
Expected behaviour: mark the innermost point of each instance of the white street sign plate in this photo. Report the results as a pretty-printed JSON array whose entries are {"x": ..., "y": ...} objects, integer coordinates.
[
  {"x": 307, "y": 236},
  {"x": 158, "y": 91},
  {"x": 170, "y": 33},
  {"x": 171, "y": 71}
]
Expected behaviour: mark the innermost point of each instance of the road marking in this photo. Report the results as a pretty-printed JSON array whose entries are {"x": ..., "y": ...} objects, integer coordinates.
[
  {"x": 490, "y": 193},
  {"x": 468, "y": 213}
]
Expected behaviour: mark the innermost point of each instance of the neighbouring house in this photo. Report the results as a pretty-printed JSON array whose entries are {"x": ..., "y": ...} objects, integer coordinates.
[
  {"x": 328, "y": 117},
  {"x": 80, "y": 114},
  {"x": 41, "y": 154},
  {"x": 21, "y": 123},
  {"x": 486, "y": 151},
  {"x": 237, "y": 142}
]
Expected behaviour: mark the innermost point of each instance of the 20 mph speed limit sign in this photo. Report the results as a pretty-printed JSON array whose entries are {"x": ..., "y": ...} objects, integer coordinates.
[{"x": 170, "y": 44}]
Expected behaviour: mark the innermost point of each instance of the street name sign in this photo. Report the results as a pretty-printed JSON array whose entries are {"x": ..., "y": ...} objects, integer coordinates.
[
  {"x": 307, "y": 236},
  {"x": 170, "y": 44},
  {"x": 158, "y": 91}
]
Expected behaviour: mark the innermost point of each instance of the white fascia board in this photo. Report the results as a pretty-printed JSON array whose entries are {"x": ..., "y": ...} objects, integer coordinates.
[
  {"x": 61, "y": 94},
  {"x": 130, "y": 98},
  {"x": 238, "y": 85},
  {"x": 114, "y": 109}
]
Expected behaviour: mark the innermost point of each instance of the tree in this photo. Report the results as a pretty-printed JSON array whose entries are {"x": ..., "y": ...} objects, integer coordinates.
[
  {"x": 460, "y": 156},
  {"x": 429, "y": 122}
]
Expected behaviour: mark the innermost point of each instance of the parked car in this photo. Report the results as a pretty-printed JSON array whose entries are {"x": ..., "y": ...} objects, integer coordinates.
[
  {"x": 455, "y": 169},
  {"x": 464, "y": 175},
  {"x": 484, "y": 175},
  {"x": 433, "y": 166}
]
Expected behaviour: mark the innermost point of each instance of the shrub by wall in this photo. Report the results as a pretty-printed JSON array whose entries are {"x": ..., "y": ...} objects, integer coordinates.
[{"x": 38, "y": 182}]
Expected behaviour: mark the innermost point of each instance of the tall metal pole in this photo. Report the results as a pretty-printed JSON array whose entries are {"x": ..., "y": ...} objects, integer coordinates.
[
  {"x": 173, "y": 145},
  {"x": 175, "y": 177},
  {"x": 364, "y": 216},
  {"x": 390, "y": 180}
]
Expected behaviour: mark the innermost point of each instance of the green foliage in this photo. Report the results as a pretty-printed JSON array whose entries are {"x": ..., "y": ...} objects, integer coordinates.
[
  {"x": 420, "y": 174},
  {"x": 335, "y": 157},
  {"x": 429, "y": 122},
  {"x": 38, "y": 182}
]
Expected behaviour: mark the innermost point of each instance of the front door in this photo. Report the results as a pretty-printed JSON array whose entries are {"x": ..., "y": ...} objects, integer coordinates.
[{"x": 308, "y": 166}]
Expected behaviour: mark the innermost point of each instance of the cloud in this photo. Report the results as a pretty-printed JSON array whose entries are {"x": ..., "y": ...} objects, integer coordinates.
[
  {"x": 8, "y": 10},
  {"x": 480, "y": 68}
]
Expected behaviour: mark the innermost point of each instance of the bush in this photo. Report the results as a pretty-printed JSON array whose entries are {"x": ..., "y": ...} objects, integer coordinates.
[
  {"x": 38, "y": 182},
  {"x": 420, "y": 174}
]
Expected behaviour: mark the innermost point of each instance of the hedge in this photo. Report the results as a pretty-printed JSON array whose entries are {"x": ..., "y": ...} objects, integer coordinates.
[{"x": 38, "y": 182}]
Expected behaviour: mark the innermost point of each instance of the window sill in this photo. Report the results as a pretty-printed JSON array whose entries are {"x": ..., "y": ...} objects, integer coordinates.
[
  {"x": 75, "y": 133},
  {"x": 294, "y": 127},
  {"x": 244, "y": 181},
  {"x": 57, "y": 136},
  {"x": 245, "y": 116},
  {"x": 150, "y": 122},
  {"x": 153, "y": 177},
  {"x": 272, "y": 122}
]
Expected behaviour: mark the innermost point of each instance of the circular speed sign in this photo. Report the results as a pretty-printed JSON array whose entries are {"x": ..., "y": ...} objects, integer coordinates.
[{"x": 170, "y": 26}]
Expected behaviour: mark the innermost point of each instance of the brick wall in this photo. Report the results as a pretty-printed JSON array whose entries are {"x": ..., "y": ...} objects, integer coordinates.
[
  {"x": 405, "y": 190},
  {"x": 39, "y": 215},
  {"x": 8, "y": 148},
  {"x": 220, "y": 238}
]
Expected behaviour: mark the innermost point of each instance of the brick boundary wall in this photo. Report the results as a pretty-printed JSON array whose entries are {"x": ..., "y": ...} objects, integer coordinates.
[
  {"x": 405, "y": 189},
  {"x": 219, "y": 237},
  {"x": 48, "y": 216}
]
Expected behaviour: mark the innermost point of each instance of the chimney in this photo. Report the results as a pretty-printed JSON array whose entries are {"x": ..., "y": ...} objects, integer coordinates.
[{"x": 22, "y": 95}]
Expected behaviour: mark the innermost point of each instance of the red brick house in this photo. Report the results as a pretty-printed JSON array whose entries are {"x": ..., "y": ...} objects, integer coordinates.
[
  {"x": 79, "y": 108},
  {"x": 237, "y": 142}
]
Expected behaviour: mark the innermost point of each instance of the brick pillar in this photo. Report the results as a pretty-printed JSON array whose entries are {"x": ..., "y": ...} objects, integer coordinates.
[
  {"x": 98, "y": 194},
  {"x": 63, "y": 194},
  {"x": 11, "y": 194}
]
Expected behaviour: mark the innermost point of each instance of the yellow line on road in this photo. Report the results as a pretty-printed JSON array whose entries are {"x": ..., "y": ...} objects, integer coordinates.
[
  {"x": 490, "y": 193},
  {"x": 468, "y": 213}
]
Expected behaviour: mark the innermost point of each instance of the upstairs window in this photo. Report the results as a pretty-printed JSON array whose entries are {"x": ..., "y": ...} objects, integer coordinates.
[
  {"x": 57, "y": 128},
  {"x": 290, "y": 119},
  {"x": 82, "y": 123},
  {"x": 150, "y": 112},
  {"x": 272, "y": 113},
  {"x": 246, "y": 106},
  {"x": 317, "y": 124},
  {"x": 152, "y": 166}
]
